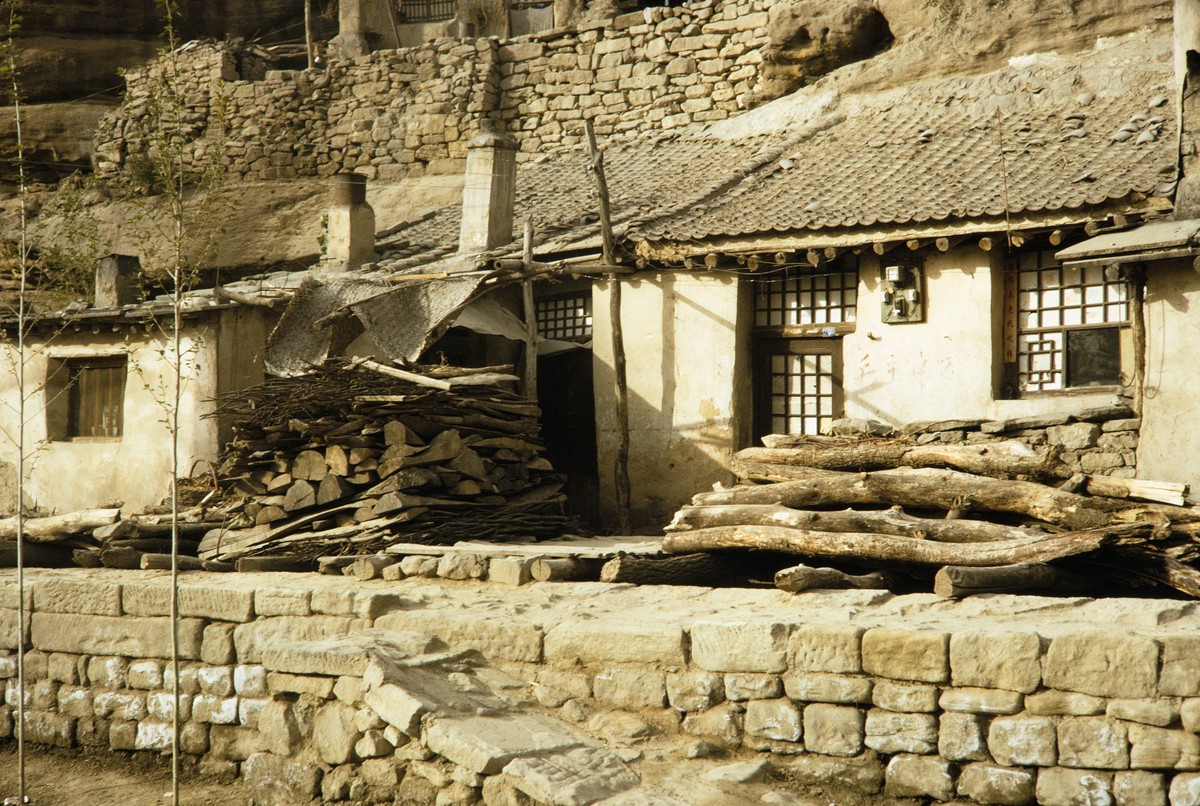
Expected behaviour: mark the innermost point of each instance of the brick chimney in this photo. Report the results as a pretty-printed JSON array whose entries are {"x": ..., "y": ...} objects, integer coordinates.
[
  {"x": 350, "y": 237},
  {"x": 351, "y": 39},
  {"x": 116, "y": 281},
  {"x": 489, "y": 190}
]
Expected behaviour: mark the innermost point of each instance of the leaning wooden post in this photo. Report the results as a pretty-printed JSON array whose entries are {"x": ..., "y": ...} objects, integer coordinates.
[
  {"x": 308, "y": 35},
  {"x": 621, "y": 465},
  {"x": 1137, "y": 330},
  {"x": 530, "y": 317}
]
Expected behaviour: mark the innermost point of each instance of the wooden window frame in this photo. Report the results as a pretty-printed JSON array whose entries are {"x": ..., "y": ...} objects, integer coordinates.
[
  {"x": 67, "y": 418},
  {"x": 553, "y": 321},
  {"x": 767, "y": 348}
]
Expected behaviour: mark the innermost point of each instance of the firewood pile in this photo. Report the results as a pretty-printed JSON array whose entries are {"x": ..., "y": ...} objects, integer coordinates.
[
  {"x": 349, "y": 460},
  {"x": 1000, "y": 516}
]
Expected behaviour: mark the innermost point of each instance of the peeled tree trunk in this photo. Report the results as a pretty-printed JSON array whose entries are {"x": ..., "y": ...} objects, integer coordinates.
[
  {"x": 54, "y": 528},
  {"x": 928, "y": 488}
]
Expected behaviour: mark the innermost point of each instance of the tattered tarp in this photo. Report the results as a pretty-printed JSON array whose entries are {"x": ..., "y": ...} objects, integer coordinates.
[{"x": 402, "y": 319}]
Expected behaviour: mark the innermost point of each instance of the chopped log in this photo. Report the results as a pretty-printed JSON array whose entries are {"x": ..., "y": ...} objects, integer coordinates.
[
  {"x": 268, "y": 563},
  {"x": 333, "y": 488},
  {"x": 369, "y": 567},
  {"x": 334, "y": 565},
  {"x": 927, "y": 487},
  {"x": 876, "y": 548},
  {"x": 337, "y": 460},
  {"x": 564, "y": 569},
  {"x": 955, "y": 582},
  {"x": 681, "y": 569},
  {"x": 162, "y": 562},
  {"x": 893, "y": 521},
  {"x": 269, "y": 514},
  {"x": 300, "y": 495},
  {"x": 1002, "y": 459},
  {"x": 219, "y": 566},
  {"x": 86, "y": 558},
  {"x": 308, "y": 465},
  {"x": 1163, "y": 492},
  {"x": 122, "y": 528},
  {"x": 123, "y": 557},
  {"x": 53, "y": 528},
  {"x": 801, "y": 578},
  {"x": 37, "y": 555}
]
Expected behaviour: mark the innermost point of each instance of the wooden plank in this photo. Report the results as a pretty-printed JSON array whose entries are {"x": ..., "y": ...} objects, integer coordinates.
[{"x": 600, "y": 549}]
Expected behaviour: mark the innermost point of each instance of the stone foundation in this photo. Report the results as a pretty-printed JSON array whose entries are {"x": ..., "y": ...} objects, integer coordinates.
[{"x": 333, "y": 689}]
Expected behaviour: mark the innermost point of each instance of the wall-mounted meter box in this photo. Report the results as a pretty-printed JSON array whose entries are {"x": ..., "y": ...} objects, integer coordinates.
[{"x": 902, "y": 290}]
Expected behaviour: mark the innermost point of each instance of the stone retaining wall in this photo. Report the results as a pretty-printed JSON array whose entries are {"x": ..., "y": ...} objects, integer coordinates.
[
  {"x": 311, "y": 688},
  {"x": 397, "y": 113}
]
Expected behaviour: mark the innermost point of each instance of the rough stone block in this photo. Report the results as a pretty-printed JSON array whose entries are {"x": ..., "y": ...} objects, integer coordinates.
[
  {"x": 1058, "y": 786},
  {"x": 987, "y": 783},
  {"x": 250, "y": 681},
  {"x": 630, "y": 688},
  {"x": 1093, "y": 742},
  {"x": 975, "y": 661},
  {"x": 512, "y": 571},
  {"x": 332, "y": 602},
  {"x": 1160, "y": 712},
  {"x": 145, "y": 674},
  {"x": 694, "y": 691},
  {"x": 193, "y": 738},
  {"x": 623, "y": 642},
  {"x": 863, "y": 773},
  {"x": 216, "y": 710},
  {"x": 110, "y": 635},
  {"x": 889, "y": 732},
  {"x": 773, "y": 719},
  {"x": 75, "y": 702},
  {"x": 921, "y": 656},
  {"x": 249, "y": 711},
  {"x": 232, "y": 601},
  {"x": 334, "y": 733},
  {"x": 90, "y": 733},
  {"x": 575, "y": 777},
  {"x": 107, "y": 672},
  {"x": 741, "y": 687},
  {"x": 981, "y": 700},
  {"x": 485, "y": 744},
  {"x": 722, "y": 724},
  {"x": 119, "y": 705},
  {"x": 1153, "y": 748},
  {"x": 399, "y": 706},
  {"x": 827, "y": 688},
  {"x": 90, "y": 597},
  {"x": 282, "y": 602},
  {"x": 146, "y": 599},
  {"x": 1023, "y": 741},
  {"x": 1063, "y": 703},
  {"x": 1185, "y": 789},
  {"x": 495, "y": 638},
  {"x": 744, "y": 646},
  {"x": 913, "y": 698},
  {"x": 961, "y": 737},
  {"x": 64, "y": 668},
  {"x": 154, "y": 735},
  {"x": 370, "y": 605},
  {"x": 217, "y": 648},
  {"x": 281, "y": 729},
  {"x": 216, "y": 680},
  {"x": 919, "y": 776},
  {"x": 251, "y": 639},
  {"x": 319, "y": 687},
  {"x": 47, "y": 727},
  {"x": 347, "y": 689},
  {"x": 275, "y": 781},
  {"x": 833, "y": 730},
  {"x": 1139, "y": 789},
  {"x": 835, "y": 649},
  {"x": 1105, "y": 664},
  {"x": 122, "y": 735},
  {"x": 1180, "y": 674},
  {"x": 161, "y": 704}
]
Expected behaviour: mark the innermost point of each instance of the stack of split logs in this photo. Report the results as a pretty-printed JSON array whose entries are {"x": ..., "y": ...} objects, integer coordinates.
[
  {"x": 356, "y": 456},
  {"x": 1000, "y": 516}
]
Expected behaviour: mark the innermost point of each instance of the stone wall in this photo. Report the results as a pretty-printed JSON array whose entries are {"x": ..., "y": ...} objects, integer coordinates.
[
  {"x": 406, "y": 112},
  {"x": 319, "y": 687}
]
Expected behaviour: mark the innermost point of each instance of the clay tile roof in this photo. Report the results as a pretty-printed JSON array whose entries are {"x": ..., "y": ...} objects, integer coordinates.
[{"x": 1061, "y": 135}]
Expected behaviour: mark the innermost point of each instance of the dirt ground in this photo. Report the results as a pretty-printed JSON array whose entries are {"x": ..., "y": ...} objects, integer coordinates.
[{"x": 69, "y": 778}]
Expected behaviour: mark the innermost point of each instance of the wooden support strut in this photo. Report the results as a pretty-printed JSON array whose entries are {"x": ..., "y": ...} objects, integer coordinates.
[
  {"x": 530, "y": 317},
  {"x": 621, "y": 391}
]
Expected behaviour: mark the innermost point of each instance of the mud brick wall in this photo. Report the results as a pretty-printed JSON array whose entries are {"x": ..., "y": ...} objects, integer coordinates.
[{"x": 407, "y": 112}]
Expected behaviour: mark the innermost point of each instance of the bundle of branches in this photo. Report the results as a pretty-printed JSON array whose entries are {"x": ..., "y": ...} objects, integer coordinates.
[
  {"x": 356, "y": 456},
  {"x": 986, "y": 533}
]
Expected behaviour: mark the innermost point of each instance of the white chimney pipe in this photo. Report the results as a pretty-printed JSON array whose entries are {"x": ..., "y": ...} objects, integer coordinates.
[
  {"x": 350, "y": 238},
  {"x": 489, "y": 190}
]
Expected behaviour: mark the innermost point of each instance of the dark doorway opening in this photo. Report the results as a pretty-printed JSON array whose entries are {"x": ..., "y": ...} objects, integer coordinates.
[{"x": 569, "y": 427}]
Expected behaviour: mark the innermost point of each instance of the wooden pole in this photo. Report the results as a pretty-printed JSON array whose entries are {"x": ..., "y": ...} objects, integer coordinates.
[
  {"x": 1137, "y": 330},
  {"x": 621, "y": 396},
  {"x": 308, "y": 37},
  {"x": 530, "y": 318}
]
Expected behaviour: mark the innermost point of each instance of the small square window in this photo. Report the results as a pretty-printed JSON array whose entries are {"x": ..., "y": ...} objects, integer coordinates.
[{"x": 86, "y": 398}]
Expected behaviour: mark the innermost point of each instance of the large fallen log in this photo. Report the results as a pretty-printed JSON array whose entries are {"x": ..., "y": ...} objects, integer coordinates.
[
  {"x": 960, "y": 581},
  {"x": 1165, "y": 492},
  {"x": 998, "y": 459},
  {"x": 53, "y": 528},
  {"x": 885, "y": 522},
  {"x": 801, "y": 578},
  {"x": 683, "y": 569},
  {"x": 936, "y": 489},
  {"x": 876, "y": 548}
]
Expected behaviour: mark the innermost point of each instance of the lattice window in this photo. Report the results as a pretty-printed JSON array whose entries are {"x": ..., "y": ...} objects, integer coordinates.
[
  {"x": 807, "y": 297},
  {"x": 804, "y": 393},
  {"x": 427, "y": 10},
  {"x": 1069, "y": 322},
  {"x": 564, "y": 317}
]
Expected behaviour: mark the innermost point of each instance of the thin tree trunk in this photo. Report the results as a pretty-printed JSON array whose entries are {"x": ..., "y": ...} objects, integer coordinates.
[{"x": 1000, "y": 459}]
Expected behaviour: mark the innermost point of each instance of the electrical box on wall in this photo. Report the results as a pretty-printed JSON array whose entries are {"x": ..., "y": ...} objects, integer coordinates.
[{"x": 902, "y": 291}]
